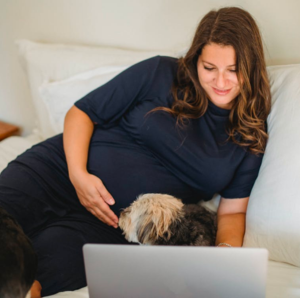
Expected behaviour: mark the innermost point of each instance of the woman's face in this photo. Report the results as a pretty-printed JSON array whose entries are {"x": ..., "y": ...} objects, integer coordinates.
[{"x": 217, "y": 74}]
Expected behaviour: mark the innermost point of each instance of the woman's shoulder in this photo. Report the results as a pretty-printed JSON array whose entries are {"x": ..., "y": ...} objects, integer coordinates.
[
  {"x": 162, "y": 68},
  {"x": 167, "y": 61},
  {"x": 159, "y": 63},
  {"x": 165, "y": 69}
]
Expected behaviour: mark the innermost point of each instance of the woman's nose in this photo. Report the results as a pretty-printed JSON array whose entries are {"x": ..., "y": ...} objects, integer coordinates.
[{"x": 220, "y": 81}]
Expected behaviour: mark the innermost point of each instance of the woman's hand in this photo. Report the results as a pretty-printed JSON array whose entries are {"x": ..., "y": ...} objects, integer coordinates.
[{"x": 94, "y": 197}]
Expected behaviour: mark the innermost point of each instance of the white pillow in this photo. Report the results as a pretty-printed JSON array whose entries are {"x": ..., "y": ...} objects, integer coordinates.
[
  {"x": 54, "y": 62},
  {"x": 60, "y": 96},
  {"x": 273, "y": 217}
]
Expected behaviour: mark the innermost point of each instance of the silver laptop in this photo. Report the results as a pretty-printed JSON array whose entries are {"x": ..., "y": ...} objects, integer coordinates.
[{"x": 129, "y": 271}]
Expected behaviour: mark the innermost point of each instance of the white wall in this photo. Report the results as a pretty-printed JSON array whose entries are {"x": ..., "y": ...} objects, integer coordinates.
[{"x": 140, "y": 24}]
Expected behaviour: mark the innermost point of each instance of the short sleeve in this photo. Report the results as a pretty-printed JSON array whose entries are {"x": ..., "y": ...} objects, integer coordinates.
[
  {"x": 244, "y": 178},
  {"x": 108, "y": 103}
]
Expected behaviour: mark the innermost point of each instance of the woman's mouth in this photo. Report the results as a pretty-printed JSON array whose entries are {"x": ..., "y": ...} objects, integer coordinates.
[{"x": 221, "y": 92}]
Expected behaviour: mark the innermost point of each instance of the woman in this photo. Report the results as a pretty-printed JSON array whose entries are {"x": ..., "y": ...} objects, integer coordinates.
[{"x": 189, "y": 127}]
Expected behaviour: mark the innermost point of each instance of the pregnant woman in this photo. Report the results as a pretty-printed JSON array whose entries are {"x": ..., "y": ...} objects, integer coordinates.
[{"x": 189, "y": 127}]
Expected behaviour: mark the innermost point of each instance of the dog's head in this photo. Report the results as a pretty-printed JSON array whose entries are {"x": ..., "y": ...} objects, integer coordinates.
[
  {"x": 149, "y": 217},
  {"x": 18, "y": 259}
]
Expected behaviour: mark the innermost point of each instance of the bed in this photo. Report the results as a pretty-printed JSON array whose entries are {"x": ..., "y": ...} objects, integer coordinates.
[{"x": 59, "y": 74}]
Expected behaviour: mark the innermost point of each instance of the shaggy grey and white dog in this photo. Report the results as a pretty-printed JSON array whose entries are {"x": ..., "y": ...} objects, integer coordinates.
[{"x": 161, "y": 219}]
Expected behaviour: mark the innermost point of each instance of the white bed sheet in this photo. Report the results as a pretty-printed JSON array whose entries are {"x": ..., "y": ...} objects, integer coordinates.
[
  {"x": 11, "y": 147},
  {"x": 283, "y": 279}
]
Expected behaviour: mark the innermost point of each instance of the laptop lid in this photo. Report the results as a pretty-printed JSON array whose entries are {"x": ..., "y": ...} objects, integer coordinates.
[{"x": 129, "y": 271}]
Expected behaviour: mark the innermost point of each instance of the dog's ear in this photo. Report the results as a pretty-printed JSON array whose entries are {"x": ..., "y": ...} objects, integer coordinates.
[
  {"x": 146, "y": 234},
  {"x": 156, "y": 224},
  {"x": 154, "y": 213}
]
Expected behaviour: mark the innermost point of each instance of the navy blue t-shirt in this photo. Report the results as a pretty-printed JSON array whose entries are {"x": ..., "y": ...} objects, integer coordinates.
[{"x": 135, "y": 154}]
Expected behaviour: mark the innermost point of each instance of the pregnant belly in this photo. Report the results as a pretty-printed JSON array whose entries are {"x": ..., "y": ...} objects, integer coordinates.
[{"x": 127, "y": 171}]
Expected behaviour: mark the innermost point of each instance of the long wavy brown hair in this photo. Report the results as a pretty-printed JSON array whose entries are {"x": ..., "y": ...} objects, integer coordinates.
[{"x": 229, "y": 26}]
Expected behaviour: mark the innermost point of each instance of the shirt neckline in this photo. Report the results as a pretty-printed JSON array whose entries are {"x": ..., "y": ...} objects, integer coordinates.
[{"x": 216, "y": 110}]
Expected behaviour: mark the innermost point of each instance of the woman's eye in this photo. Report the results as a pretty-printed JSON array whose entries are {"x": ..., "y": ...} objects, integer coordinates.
[{"x": 210, "y": 69}]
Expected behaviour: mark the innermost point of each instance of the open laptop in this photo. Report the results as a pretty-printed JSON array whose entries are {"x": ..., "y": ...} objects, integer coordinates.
[{"x": 129, "y": 271}]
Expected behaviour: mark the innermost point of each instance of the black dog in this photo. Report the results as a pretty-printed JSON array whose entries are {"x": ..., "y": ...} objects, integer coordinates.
[{"x": 18, "y": 261}]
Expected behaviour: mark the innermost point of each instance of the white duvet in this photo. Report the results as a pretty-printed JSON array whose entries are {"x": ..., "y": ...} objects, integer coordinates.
[{"x": 283, "y": 280}]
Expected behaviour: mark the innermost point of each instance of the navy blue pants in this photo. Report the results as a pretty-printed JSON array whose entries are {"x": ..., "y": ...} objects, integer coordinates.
[{"x": 57, "y": 224}]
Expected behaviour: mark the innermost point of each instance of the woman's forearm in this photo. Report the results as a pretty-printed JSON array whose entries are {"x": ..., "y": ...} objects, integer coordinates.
[
  {"x": 231, "y": 229},
  {"x": 78, "y": 129},
  {"x": 91, "y": 192}
]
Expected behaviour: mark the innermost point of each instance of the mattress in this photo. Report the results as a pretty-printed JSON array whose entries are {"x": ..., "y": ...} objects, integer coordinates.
[{"x": 283, "y": 279}]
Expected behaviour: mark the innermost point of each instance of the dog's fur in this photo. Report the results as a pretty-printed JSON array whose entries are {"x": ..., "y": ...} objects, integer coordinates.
[
  {"x": 161, "y": 219},
  {"x": 18, "y": 261}
]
